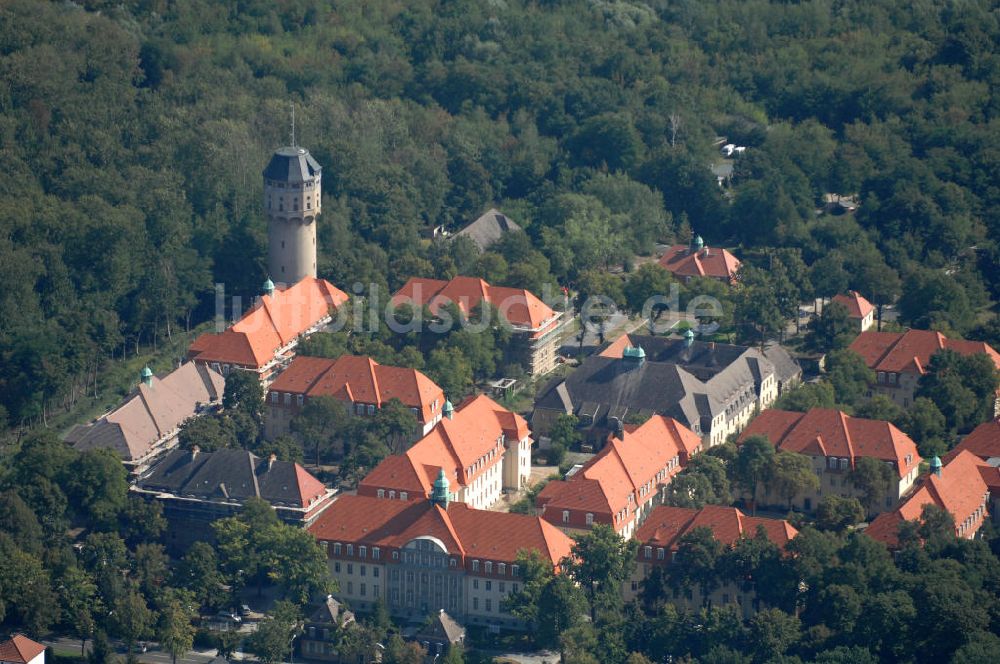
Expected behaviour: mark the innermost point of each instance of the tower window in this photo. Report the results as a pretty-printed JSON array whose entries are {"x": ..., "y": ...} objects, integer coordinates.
[
  {"x": 309, "y": 204},
  {"x": 295, "y": 204}
]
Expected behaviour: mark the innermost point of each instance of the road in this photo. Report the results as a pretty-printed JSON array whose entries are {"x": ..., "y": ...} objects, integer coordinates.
[{"x": 152, "y": 656}]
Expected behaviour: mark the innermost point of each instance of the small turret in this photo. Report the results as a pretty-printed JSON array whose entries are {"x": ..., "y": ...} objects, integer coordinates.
[
  {"x": 440, "y": 495},
  {"x": 147, "y": 376},
  {"x": 449, "y": 409},
  {"x": 936, "y": 465},
  {"x": 697, "y": 244},
  {"x": 688, "y": 337},
  {"x": 634, "y": 356},
  {"x": 269, "y": 287}
]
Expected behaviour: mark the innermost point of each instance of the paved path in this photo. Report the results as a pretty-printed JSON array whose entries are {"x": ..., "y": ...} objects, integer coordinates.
[{"x": 153, "y": 655}]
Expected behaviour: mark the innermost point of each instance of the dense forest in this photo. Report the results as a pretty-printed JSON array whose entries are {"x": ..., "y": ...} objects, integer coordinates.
[{"x": 134, "y": 133}]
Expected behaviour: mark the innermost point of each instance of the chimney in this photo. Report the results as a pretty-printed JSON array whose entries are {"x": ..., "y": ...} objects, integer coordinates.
[
  {"x": 194, "y": 452},
  {"x": 271, "y": 459}
]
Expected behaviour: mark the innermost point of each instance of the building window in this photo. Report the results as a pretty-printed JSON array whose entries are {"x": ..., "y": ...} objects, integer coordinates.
[
  {"x": 350, "y": 568},
  {"x": 660, "y": 553},
  {"x": 475, "y": 565},
  {"x": 288, "y": 399},
  {"x": 274, "y": 397},
  {"x": 363, "y": 593},
  {"x": 489, "y": 585},
  {"x": 514, "y": 570},
  {"x": 489, "y": 604},
  {"x": 363, "y": 551},
  {"x": 376, "y": 554},
  {"x": 590, "y": 519},
  {"x": 565, "y": 516},
  {"x": 381, "y": 493},
  {"x": 375, "y": 571},
  {"x": 299, "y": 399},
  {"x": 350, "y": 588},
  {"x": 475, "y": 584},
  {"x": 403, "y": 495},
  {"x": 336, "y": 567},
  {"x": 392, "y": 495},
  {"x": 647, "y": 552},
  {"x": 371, "y": 409},
  {"x": 475, "y": 603},
  {"x": 502, "y": 568},
  {"x": 489, "y": 567},
  {"x": 336, "y": 548},
  {"x": 350, "y": 549}
]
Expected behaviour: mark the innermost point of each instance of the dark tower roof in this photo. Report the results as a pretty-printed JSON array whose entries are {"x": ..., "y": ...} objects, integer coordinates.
[{"x": 291, "y": 164}]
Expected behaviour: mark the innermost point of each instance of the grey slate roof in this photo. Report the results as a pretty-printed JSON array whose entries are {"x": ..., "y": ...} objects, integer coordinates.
[
  {"x": 692, "y": 384},
  {"x": 786, "y": 366},
  {"x": 292, "y": 164},
  {"x": 224, "y": 474},
  {"x": 442, "y": 628},
  {"x": 331, "y": 612},
  {"x": 151, "y": 413},
  {"x": 489, "y": 228}
]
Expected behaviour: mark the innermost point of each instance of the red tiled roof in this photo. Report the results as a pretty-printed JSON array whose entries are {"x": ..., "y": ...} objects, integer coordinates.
[
  {"x": 666, "y": 525},
  {"x": 984, "y": 441},
  {"x": 19, "y": 649},
  {"x": 464, "y": 531},
  {"x": 360, "y": 379},
  {"x": 855, "y": 303},
  {"x": 453, "y": 444},
  {"x": 911, "y": 351},
  {"x": 718, "y": 263},
  {"x": 618, "y": 471},
  {"x": 959, "y": 490},
  {"x": 309, "y": 487},
  {"x": 832, "y": 433},
  {"x": 519, "y": 306},
  {"x": 272, "y": 323}
]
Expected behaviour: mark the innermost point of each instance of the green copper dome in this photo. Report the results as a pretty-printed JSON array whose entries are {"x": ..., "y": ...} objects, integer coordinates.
[
  {"x": 697, "y": 242},
  {"x": 449, "y": 409},
  {"x": 936, "y": 465},
  {"x": 269, "y": 287},
  {"x": 146, "y": 375},
  {"x": 440, "y": 494},
  {"x": 635, "y": 352}
]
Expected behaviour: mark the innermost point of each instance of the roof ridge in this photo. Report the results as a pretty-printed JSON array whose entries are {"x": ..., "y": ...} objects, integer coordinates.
[
  {"x": 149, "y": 411},
  {"x": 446, "y": 519},
  {"x": 847, "y": 435},
  {"x": 371, "y": 370},
  {"x": 253, "y": 474}
]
